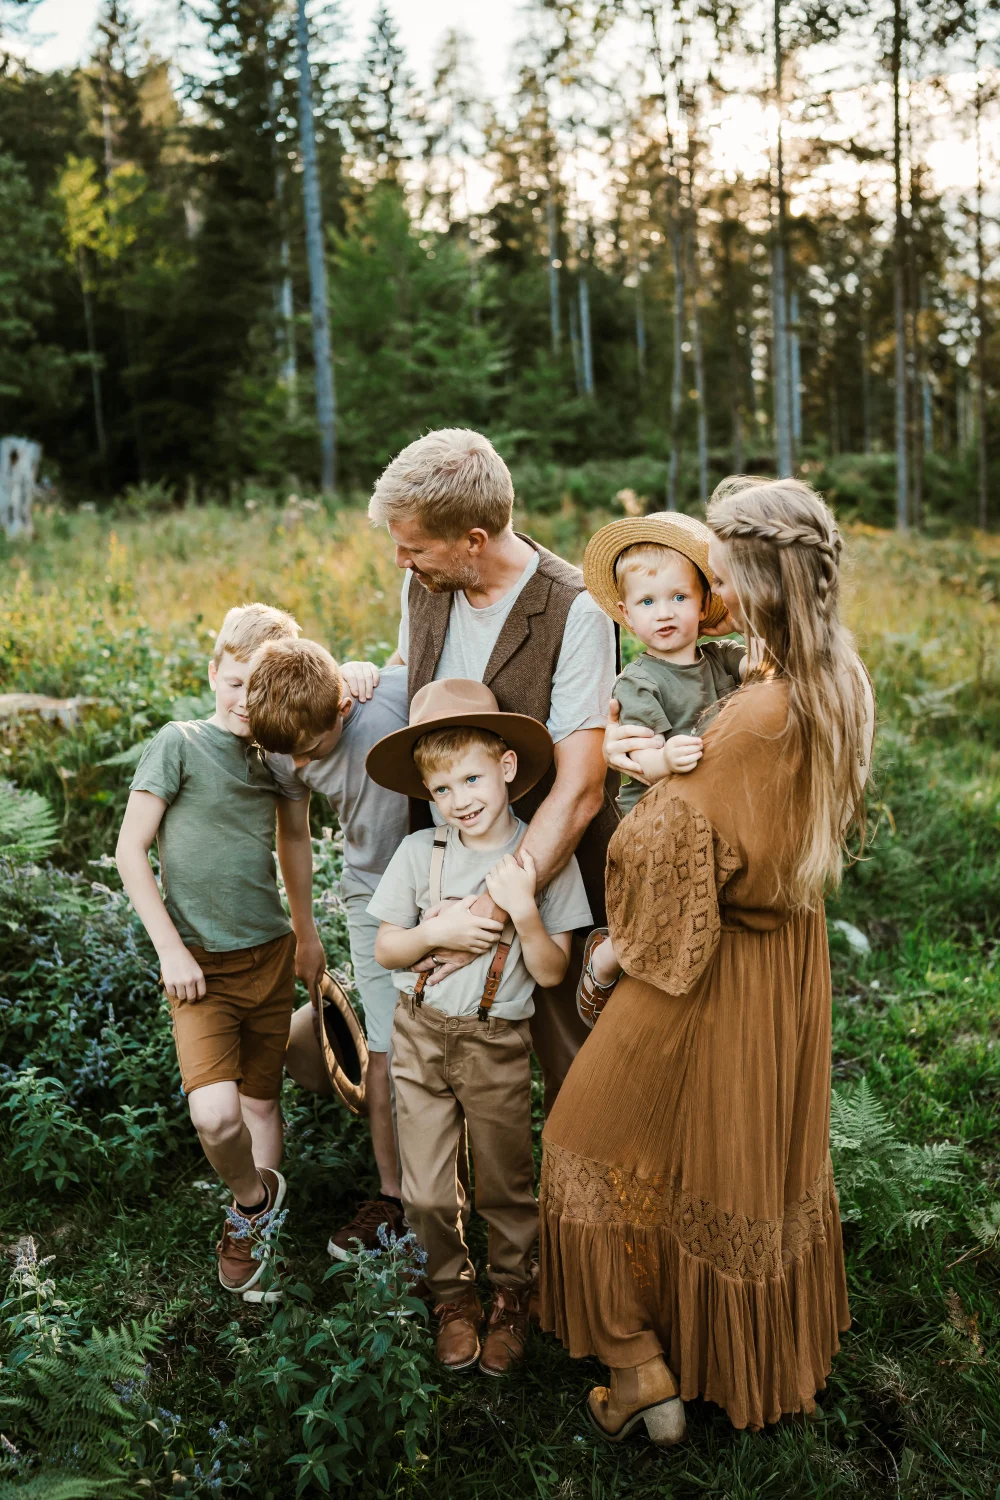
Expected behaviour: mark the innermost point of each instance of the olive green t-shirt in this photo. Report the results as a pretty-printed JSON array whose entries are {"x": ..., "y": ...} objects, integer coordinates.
[
  {"x": 672, "y": 699},
  {"x": 216, "y": 838}
]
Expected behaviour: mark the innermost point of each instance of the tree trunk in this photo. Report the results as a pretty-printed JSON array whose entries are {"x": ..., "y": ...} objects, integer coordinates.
[
  {"x": 779, "y": 304},
  {"x": 95, "y": 372},
  {"x": 795, "y": 372},
  {"x": 326, "y": 415},
  {"x": 553, "y": 273},
  {"x": 640, "y": 327},
  {"x": 699, "y": 351},
  {"x": 899, "y": 289},
  {"x": 586, "y": 345},
  {"x": 677, "y": 382},
  {"x": 983, "y": 508},
  {"x": 574, "y": 339}
]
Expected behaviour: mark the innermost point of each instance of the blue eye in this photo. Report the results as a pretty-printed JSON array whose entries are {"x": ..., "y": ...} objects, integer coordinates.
[
  {"x": 647, "y": 600},
  {"x": 471, "y": 780},
  {"x": 679, "y": 598}
]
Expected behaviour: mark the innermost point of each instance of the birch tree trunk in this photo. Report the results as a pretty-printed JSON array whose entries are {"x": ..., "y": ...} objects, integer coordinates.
[
  {"x": 779, "y": 304},
  {"x": 554, "y": 328},
  {"x": 698, "y": 348},
  {"x": 899, "y": 288},
  {"x": 326, "y": 415},
  {"x": 983, "y": 507},
  {"x": 95, "y": 371},
  {"x": 677, "y": 378}
]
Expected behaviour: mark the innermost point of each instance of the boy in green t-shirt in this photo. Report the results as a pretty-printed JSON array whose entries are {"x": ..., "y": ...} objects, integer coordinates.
[{"x": 228, "y": 955}]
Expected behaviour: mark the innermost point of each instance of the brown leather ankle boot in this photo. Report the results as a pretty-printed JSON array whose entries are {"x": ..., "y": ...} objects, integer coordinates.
[
  {"x": 645, "y": 1393},
  {"x": 507, "y": 1331},
  {"x": 457, "y": 1342}
]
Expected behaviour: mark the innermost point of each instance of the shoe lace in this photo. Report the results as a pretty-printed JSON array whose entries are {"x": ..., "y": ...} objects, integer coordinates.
[
  {"x": 448, "y": 1312},
  {"x": 508, "y": 1310},
  {"x": 371, "y": 1214}
]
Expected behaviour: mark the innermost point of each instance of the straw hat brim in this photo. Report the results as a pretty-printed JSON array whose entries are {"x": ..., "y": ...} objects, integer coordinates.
[
  {"x": 390, "y": 761},
  {"x": 343, "y": 1045},
  {"x": 683, "y": 533}
]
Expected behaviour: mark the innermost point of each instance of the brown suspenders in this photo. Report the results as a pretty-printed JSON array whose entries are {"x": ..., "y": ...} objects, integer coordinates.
[{"x": 500, "y": 952}]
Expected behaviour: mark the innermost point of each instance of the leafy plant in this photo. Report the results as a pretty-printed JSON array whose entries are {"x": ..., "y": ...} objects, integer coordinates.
[
  {"x": 884, "y": 1184},
  {"x": 28, "y": 828}
]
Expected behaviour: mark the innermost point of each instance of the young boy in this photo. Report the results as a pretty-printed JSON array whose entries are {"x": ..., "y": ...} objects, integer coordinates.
[
  {"x": 316, "y": 737},
  {"x": 461, "y": 1048},
  {"x": 228, "y": 958},
  {"x": 651, "y": 573}
]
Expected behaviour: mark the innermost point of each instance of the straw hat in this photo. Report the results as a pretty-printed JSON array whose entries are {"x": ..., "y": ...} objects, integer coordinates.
[
  {"x": 447, "y": 704},
  {"x": 666, "y": 528},
  {"x": 343, "y": 1045}
]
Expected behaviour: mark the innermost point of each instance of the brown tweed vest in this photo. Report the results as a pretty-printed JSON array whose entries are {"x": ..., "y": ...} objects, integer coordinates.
[{"x": 520, "y": 673}]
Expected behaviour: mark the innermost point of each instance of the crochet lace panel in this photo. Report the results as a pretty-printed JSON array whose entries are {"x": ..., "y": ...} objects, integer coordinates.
[
  {"x": 745, "y": 1249},
  {"x": 666, "y": 867}
]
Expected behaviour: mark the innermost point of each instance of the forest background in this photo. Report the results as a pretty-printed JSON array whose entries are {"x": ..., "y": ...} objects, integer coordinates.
[{"x": 687, "y": 235}]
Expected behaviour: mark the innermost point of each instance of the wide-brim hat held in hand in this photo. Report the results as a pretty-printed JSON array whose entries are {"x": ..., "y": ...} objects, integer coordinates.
[
  {"x": 343, "y": 1045},
  {"x": 450, "y": 704},
  {"x": 664, "y": 528}
]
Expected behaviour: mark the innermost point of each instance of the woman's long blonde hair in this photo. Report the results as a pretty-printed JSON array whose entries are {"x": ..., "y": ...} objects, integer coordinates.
[{"x": 784, "y": 553}]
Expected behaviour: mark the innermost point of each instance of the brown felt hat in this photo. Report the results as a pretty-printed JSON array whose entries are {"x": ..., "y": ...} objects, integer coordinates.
[
  {"x": 450, "y": 704},
  {"x": 343, "y": 1045},
  {"x": 664, "y": 528}
]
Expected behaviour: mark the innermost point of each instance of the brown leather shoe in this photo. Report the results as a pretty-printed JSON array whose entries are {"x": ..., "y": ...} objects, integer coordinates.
[
  {"x": 645, "y": 1393},
  {"x": 239, "y": 1269},
  {"x": 459, "y": 1322},
  {"x": 373, "y": 1214},
  {"x": 507, "y": 1331}
]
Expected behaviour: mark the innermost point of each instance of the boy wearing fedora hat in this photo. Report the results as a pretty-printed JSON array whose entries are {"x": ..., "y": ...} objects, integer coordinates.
[
  {"x": 461, "y": 1047},
  {"x": 651, "y": 574}
]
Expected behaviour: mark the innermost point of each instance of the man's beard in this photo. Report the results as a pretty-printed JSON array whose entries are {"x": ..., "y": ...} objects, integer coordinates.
[{"x": 468, "y": 577}]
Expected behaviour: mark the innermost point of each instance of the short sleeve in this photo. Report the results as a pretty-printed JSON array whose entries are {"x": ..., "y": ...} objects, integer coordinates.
[
  {"x": 731, "y": 654},
  {"x": 395, "y": 898},
  {"x": 585, "y": 671},
  {"x": 161, "y": 765},
  {"x": 640, "y": 703},
  {"x": 563, "y": 904},
  {"x": 282, "y": 768},
  {"x": 665, "y": 870}
]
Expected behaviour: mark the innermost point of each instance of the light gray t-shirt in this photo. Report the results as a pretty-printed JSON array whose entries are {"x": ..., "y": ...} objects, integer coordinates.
[
  {"x": 374, "y": 821},
  {"x": 404, "y": 893},
  {"x": 585, "y": 671}
]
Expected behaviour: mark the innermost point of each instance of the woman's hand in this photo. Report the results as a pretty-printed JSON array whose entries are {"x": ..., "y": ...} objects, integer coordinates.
[
  {"x": 360, "y": 678},
  {"x": 622, "y": 740},
  {"x": 724, "y": 627},
  {"x": 604, "y": 963}
]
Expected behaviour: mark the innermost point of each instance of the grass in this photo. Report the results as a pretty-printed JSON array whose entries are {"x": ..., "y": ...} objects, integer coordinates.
[{"x": 122, "y": 611}]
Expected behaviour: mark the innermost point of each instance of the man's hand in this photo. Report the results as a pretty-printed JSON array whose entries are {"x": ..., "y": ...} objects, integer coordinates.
[
  {"x": 360, "y": 678},
  {"x": 181, "y": 974},
  {"x": 511, "y": 883},
  {"x": 310, "y": 962},
  {"x": 683, "y": 752},
  {"x": 622, "y": 740}
]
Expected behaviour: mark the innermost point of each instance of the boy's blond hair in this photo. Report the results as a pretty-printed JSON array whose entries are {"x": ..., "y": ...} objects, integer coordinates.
[
  {"x": 649, "y": 557},
  {"x": 246, "y": 628},
  {"x": 441, "y": 747},
  {"x": 452, "y": 480},
  {"x": 294, "y": 693}
]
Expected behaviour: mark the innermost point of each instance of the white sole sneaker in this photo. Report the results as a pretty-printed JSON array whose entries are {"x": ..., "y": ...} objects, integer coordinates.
[{"x": 280, "y": 1193}]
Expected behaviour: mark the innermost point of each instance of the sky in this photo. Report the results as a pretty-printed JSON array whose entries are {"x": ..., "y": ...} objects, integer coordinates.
[{"x": 61, "y": 31}]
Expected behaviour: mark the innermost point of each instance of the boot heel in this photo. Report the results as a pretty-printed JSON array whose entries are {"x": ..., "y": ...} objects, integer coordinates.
[{"x": 666, "y": 1424}]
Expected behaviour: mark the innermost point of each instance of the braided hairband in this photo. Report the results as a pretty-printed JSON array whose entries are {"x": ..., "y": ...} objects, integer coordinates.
[{"x": 780, "y": 534}]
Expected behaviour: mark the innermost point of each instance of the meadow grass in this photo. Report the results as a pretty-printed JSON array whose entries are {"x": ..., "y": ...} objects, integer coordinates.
[{"x": 123, "y": 611}]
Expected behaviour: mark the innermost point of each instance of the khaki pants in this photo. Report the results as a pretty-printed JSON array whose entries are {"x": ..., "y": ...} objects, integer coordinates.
[
  {"x": 453, "y": 1073},
  {"x": 557, "y": 1033}
]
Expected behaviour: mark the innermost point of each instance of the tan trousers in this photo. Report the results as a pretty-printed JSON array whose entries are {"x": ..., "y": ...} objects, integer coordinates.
[
  {"x": 557, "y": 1033},
  {"x": 452, "y": 1074}
]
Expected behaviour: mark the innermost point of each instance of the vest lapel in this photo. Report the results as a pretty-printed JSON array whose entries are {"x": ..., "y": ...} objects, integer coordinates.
[{"x": 532, "y": 600}]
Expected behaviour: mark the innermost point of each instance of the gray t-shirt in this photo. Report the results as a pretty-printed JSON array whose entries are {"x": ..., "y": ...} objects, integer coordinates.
[
  {"x": 404, "y": 893},
  {"x": 373, "y": 820},
  {"x": 216, "y": 837},
  {"x": 671, "y": 699},
  {"x": 585, "y": 671}
]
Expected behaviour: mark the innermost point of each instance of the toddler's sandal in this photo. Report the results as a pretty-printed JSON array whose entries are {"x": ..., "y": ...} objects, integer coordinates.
[{"x": 591, "y": 997}]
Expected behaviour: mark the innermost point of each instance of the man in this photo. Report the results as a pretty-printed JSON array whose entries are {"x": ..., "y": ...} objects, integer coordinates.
[{"x": 481, "y": 601}]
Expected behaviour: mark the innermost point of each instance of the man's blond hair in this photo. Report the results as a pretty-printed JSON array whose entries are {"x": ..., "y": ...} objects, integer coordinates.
[
  {"x": 451, "y": 480},
  {"x": 439, "y": 748},
  {"x": 248, "y": 626},
  {"x": 294, "y": 693}
]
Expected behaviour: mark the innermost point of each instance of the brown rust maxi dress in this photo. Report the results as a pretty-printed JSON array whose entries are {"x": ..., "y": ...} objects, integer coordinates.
[{"x": 687, "y": 1199}]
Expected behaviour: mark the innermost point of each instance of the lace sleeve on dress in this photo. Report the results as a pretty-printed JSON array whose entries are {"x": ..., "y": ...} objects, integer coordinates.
[{"x": 666, "y": 867}]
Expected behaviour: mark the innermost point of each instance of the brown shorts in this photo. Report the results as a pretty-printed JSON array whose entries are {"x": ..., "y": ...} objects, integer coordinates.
[{"x": 239, "y": 1031}]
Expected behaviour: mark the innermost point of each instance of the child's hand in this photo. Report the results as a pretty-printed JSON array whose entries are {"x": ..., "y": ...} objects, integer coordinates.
[
  {"x": 511, "y": 883},
  {"x": 459, "y": 927},
  {"x": 683, "y": 752},
  {"x": 310, "y": 962},
  {"x": 181, "y": 975},
  {"x": 360, "y": 678}
]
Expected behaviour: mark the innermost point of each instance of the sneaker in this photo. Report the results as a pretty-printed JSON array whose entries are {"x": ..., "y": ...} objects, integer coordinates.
[
  {"x": 365, "y": 1225},
  {"x": 242, "y": 1251}
]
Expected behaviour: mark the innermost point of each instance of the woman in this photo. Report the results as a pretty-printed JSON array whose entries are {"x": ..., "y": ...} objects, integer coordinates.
[{"x": 690, "y": 1236}]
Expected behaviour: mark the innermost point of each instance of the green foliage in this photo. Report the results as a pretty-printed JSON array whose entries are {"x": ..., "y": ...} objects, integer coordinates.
[
  {"x": 28, "y": 829},
  {"x": 884, "y": 1183}
]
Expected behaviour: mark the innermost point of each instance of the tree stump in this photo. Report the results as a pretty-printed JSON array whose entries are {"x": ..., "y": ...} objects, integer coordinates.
[{"x": 19, "y": 460}]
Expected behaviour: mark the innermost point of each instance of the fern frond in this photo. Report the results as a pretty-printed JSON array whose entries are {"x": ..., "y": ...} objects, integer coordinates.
[
  {"x": 28, "y": 827},
  {"x": 56, "y": 1486}
]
